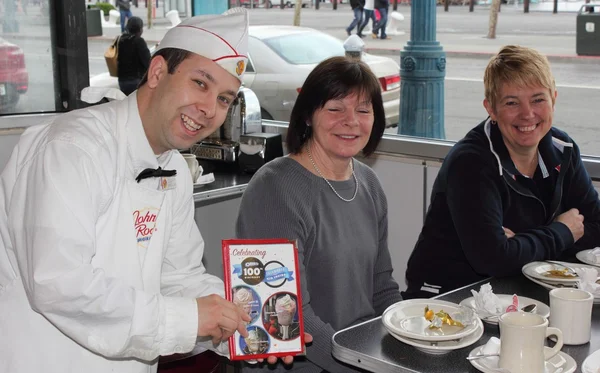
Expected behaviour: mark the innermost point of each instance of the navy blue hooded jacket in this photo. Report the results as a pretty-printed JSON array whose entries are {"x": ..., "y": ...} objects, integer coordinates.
[{"x": 478, "y": 191}]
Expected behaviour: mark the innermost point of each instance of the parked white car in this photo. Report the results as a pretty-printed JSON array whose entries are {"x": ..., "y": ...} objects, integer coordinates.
[{"x": 280, "y": 59}]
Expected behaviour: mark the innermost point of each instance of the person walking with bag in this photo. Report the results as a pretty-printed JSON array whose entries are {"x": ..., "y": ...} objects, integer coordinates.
[
  {"x": 379, "y": 30},
  {"x": 134, "y": 57},
  {"x": 357, "y": 8},
  {"x": 369, "y": 13},
  {"x": 125, "y": 10}
]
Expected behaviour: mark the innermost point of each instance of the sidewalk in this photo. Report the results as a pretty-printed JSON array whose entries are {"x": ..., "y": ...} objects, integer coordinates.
[{"x": 558, "y": 45}]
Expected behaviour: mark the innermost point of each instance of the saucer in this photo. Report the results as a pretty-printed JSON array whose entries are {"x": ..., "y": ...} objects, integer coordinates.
[
  {"x": 592, "y": 363},
  {"x": 406, "y": 319},
  {"x": 584, "y": 257},
  {"x": 505, "y": 301},
  {"x": 551, "y": 286},
  {"x": 559, "y": 363},
  {"x": 443, "y": 347}
]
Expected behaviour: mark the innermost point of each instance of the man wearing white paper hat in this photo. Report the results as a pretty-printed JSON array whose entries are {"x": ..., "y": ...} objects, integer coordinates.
[{"x": 100, "y": 257}]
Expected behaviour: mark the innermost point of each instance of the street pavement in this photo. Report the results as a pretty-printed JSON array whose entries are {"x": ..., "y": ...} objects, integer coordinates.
[{"x": 460, "y": 33}]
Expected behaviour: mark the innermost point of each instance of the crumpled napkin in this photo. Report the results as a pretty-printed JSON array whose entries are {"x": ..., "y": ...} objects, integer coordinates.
[
  {"x": 587, "y": 280},
  {"x": 486, "y": 302},
  {"x": 490, "y": 348},
  {"x": 205, "y": 179},
  {"x": 594, "y": 255}
]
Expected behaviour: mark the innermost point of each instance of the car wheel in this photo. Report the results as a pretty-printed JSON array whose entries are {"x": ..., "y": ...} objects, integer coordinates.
[
  {"x": 269, "y": 4},
  {"x": 265, "y": 115}
]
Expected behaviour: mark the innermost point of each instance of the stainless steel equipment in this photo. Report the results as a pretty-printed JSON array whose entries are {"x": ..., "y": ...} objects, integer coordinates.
[
  {"x": 256, "y": 149},
  {"x": 243, "y": 118}
]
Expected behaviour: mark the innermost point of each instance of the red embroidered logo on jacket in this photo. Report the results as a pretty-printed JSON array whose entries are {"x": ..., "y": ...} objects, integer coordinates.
[{"x": 144, "y": 221}]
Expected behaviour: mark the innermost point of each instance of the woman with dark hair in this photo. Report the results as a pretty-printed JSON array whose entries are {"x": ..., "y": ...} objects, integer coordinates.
[
  {"x": 134, "y": 56},
  {"x": 332, "y": 204}
]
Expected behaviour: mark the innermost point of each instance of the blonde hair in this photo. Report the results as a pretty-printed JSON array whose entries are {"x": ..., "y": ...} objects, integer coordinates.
[{"x": 517, "y": 65}]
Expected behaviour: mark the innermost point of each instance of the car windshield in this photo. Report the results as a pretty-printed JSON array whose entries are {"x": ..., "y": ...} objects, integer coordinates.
[{"x": 305, "y": 48}]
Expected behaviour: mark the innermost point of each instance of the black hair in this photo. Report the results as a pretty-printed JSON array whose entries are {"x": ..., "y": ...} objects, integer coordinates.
[
  {"x": 332, "y": 79},
  {"x": 135, "y": 25},
  {"x": 173, "y": 56}
]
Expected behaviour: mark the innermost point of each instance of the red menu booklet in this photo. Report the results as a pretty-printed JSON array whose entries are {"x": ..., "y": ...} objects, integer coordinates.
[{"x": 261, "y": 277}]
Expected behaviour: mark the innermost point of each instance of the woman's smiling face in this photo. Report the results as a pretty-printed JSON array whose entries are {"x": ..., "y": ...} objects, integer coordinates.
[
  {"x": 342, "y": 127},
  {"x": 524, "y": 115}
]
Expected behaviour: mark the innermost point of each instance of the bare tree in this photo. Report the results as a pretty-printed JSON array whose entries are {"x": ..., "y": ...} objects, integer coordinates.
[
  {"x": 493, "y": 19},
  {"x": 297, "y": 8}
]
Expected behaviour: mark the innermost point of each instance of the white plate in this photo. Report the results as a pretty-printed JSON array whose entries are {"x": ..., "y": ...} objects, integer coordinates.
[
  {"x": 443, "y": 347},
  {"x": 406, "y": 318},
  {"x": 551, "y": 286},
  {"x": 561, "y": 362},
  {"x": 592, "y": 363},
  {"x": 583, "y": 256},
  {"x": 537, "y": 270},
  {"x": 505, "y": 301}
]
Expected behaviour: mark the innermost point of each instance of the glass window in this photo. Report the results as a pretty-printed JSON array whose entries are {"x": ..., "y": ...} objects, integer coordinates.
[
  {"x": 26, "y": 69},
  {"x": 299, "y": 49}
]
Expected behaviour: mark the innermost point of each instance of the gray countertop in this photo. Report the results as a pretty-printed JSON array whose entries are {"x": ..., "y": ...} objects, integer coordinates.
[
  {"x": 370, "y": 347},
  {"x": 227, "y": 183}
]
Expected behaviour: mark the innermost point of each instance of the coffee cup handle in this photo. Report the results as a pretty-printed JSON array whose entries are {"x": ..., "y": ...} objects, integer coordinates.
[{"x": 559, "y": 343}]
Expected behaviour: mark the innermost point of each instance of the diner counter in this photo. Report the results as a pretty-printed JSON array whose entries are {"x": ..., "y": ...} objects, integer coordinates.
[
  {"x": 227, "y": 183},
  {"x": 369, "y": 345}
]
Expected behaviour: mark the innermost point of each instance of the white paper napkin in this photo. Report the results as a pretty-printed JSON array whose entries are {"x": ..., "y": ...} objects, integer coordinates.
[
  {"x": 486, "y": 302},
  {"x": 491, "y": 347},
  {"x": 594, "y": 255},
  {"x": 205, "y": 179},
  {"x": 587, "y": 280}
]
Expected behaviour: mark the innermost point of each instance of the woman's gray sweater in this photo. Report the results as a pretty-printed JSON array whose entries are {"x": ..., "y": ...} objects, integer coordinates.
[{"x": 345, "y": 265}]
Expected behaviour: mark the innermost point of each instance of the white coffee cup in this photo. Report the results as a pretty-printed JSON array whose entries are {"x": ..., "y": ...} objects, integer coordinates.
[
  {"x": 571, "y": 312},
  {"x": 195, "y": 168},
  {"x": 522, "y": 337}
]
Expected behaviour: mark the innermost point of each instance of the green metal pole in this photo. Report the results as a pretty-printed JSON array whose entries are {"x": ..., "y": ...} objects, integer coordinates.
[{"x": 422, "y": 72}]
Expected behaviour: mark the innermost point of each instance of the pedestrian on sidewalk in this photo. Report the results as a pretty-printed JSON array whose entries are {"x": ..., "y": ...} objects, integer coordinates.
[
  {"x": 134, "y": 56},
  {"x": 379, "y": 30},
  {"x": 125, "y": 10},
  {"x": 368, "y": 14},
  {"x": 357, "y": 8}
]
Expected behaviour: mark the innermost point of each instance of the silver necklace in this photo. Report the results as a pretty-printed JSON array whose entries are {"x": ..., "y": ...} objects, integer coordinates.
[{"x": 327, "y": 181}]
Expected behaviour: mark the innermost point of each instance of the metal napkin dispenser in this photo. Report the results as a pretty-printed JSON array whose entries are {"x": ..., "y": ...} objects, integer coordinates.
[
  {"x": 242, "y": 118},
  {"x": 256, "y": 149}
]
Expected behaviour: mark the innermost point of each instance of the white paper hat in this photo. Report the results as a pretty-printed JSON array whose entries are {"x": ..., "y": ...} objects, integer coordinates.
[{"x": 221, "y": 38}]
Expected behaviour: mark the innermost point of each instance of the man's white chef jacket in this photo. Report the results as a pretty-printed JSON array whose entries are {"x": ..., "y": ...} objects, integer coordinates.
[{"x": 97, "y": 272}]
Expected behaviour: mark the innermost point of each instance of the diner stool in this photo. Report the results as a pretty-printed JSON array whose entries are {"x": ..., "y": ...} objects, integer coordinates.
[
  {"x": 113, "y": 17},
  {"x": 206, "y": 362},
  {"x": 394, "y": 21},
  {"x": 173, "y": 16}
]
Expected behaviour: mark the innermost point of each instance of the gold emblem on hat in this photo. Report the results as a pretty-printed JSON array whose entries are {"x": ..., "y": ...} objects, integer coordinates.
[{"x": 240, "y": 67}]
